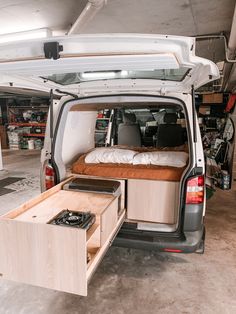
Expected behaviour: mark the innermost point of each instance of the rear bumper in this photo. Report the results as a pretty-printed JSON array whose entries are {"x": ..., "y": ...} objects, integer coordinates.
[{"x": 187, "y": 243}]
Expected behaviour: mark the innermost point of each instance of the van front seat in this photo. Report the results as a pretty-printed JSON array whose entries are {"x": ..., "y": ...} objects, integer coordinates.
[
  {"x": 169, "y": 134},
  {"x": 129, "y": 132}
]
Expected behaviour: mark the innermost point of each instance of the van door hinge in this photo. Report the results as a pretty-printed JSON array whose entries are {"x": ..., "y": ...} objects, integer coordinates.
[{"x": 52, "y": 50}]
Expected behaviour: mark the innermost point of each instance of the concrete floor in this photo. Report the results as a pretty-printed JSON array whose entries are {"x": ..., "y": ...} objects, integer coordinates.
[
  {"x": 23, "y": 164},
  {"x": 134, "y": 281}
]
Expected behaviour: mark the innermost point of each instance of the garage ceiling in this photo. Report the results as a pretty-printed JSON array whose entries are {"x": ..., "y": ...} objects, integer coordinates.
[
  {"x": 173, "y": 17},
  {"x": 23, "y": 15}
]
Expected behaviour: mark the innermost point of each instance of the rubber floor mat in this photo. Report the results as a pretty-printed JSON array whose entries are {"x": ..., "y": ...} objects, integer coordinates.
[
  {"x": 4, "y": 191},
  {"x": 8, "y": 181}
]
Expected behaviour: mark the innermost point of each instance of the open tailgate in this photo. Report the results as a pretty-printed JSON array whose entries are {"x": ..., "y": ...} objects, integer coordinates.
[{"x": 165, "y": 62}]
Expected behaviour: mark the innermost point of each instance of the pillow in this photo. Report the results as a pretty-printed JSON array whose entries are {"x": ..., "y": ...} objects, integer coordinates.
[
  {"x": 110, "y": 155},
  {"x": 161, "y": 158}
]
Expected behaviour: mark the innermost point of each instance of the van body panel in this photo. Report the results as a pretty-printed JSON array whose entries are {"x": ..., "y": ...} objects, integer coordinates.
[
  {"x": 193, "y": 217},
  {"x": 76, "y": 123}
]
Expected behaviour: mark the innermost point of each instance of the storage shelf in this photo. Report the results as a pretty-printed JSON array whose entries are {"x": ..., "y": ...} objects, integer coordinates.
[
  {"x": 27, "y": 124},
  {"x": 28, "y": 107},
  {"x": 101, "y": 131},
  {"x": 34, "y": 135}
]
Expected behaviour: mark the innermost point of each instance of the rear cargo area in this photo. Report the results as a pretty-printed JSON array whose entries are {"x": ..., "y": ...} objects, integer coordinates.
[
  {"x": 116, "y": 164},
  {"x": 143, "y": 146}
]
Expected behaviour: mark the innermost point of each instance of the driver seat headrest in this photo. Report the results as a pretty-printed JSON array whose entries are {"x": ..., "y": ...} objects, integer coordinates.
[
  {"x": 129, "y": 118},
  {"x": 170, "y": 118}
]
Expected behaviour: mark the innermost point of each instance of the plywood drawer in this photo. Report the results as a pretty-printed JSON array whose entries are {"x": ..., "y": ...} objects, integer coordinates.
[{"x": 35, "y": 252}]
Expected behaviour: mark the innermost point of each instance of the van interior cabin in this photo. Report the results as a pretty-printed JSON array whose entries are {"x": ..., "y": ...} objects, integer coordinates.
[
  {"x": 116, "y": 163},
  {"x": 144, "y": 146}
]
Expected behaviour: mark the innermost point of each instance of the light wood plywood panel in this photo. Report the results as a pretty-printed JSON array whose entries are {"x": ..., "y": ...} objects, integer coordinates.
[
  {"x": 74, "y": 201},
  {"x": 38, "y": 199},
  {"x": 122, "y": 185},
  {"x": 44, "y": 255},
  {"x": 154, "y": 201},
  {"x": 94, "y": 242},
  {"x": 109, "y": 220},
  {"x": 35, "y": 252},
  {"x": 99, "y": 254}
]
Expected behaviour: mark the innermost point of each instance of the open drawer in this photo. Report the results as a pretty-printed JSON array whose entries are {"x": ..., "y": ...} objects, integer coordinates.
[{"x": 33, "y": 251}]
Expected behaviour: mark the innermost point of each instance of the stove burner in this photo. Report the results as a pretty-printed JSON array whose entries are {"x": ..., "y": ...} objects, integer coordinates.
[
  {"x": 83, "y": 220},
  {"x": 73, "y": 219}
]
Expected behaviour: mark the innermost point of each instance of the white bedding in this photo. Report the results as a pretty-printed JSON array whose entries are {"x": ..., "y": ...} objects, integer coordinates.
[
  {"x": 126, "y": 156},
  {"x": 110, "y": 155},
  {"x": 163, "y": 158}
]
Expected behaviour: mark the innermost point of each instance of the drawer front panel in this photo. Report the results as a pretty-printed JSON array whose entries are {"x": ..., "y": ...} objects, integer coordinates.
[
  {"x": 153, "y": 201},
  {"x": 44, "y": 255}
]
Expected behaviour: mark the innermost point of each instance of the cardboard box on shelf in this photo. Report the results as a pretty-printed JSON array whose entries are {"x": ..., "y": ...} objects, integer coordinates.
[
  {"x": 216, "y": 98},
  {"x": 205, "y": 110}
]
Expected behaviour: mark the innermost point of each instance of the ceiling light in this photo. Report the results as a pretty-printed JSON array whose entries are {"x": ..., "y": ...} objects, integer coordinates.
[
  {"x": 34, "y": 34},
  {"x": 98, "y": 75},
  {"x": 124, "y": 73}
]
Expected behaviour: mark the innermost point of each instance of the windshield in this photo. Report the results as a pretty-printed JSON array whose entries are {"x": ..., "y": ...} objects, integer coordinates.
[{"x": 76, "y": 78}]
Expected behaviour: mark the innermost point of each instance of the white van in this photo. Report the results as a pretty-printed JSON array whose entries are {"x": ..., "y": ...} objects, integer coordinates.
[{"x": 122, "y": 147}]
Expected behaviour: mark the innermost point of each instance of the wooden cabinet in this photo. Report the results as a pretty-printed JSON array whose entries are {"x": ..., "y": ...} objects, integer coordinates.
[
  {"x": 153, "y": 201},
  {"x": 56, "y": 257}
]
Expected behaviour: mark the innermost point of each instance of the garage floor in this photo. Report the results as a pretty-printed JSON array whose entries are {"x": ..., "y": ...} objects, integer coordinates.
[{"x": 134, "y": 281}]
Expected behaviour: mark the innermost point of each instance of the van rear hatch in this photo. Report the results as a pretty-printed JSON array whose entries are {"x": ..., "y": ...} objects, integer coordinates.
[{"x": 98, "y": 63}]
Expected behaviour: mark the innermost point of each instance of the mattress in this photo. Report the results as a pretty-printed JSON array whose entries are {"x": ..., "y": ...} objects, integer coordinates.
[{"x": 127, "y": 171}]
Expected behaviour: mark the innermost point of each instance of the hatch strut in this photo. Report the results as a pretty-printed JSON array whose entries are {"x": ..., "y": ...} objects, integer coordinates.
[
  {"x": 194, "y": 115},
  {"x": 51, "y": 117}
]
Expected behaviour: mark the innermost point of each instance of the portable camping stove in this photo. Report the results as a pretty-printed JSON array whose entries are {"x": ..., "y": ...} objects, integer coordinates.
[{"x": 67, "y": 218}]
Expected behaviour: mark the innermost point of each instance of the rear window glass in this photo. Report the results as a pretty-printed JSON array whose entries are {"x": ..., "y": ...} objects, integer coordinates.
[{"x": 160, "y": 74}]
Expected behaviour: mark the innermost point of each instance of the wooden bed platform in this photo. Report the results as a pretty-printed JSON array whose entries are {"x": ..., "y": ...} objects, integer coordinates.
[{"x": 127, "y": 171}]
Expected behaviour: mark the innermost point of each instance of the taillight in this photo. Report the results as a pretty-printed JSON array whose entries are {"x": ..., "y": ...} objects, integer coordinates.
[
  {"x": 195, "y": 190},
  {"x": 49, "y": 177}
]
